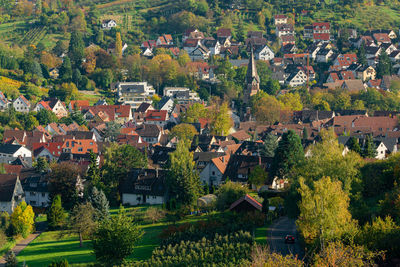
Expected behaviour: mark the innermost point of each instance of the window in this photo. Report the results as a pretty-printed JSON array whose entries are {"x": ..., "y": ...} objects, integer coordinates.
[
  {"x": 32, "y": 194},
  {"x": 43, "y": 194}
]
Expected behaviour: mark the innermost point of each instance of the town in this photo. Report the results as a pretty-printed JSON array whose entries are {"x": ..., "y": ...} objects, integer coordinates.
[{"x": 269, "y": 140}]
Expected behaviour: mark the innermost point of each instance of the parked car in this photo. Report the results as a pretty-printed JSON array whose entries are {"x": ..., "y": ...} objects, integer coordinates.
[{"x": 289, "y": 239}]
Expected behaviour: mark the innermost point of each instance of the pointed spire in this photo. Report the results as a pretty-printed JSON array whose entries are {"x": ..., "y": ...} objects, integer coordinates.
[{"x": 252, "y": 69}]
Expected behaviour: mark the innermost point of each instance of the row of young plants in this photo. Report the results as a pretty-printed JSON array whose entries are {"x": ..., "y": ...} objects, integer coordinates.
[{"x": 220, "y": 250}]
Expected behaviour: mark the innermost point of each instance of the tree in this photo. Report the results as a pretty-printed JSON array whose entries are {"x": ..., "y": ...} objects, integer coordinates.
[
  {"x": 265, "y": 108},
  {"x": 384, "y": 66},
  {"x": 100, "y": 203},
  {"x": 193, "y": 113},
  {"x": 291, "y": 101},
  {"x": 258, "y": 176},
  {"x": 270, "y": 145},
  {"x": 354, "y": 145},
  {"x": 184, "y": 131},
  {"x": 118, "y": 45},
  {"x": 66, "y": 70},
  {"x": 22, "y": 219},
  {"x": 369, "y": 149},
  {"x": 221, "y": 120},
  {"x": 154, "y": 214},
  {"x": 76, "y": 48},
  {"x": 11, "y": 259},
  {"x": 41, "y": 164},
  {"x": 83, "y": 221},
  {"x": 65, "y": 181},
  {"x": 56, "y": 214},
  {"x": 183, "y": 58},
  {"x": 46, "y": 117},
  {"x": 115, "y": 238},
  {"x": 183, "y": 179},
  {"x": 93, "y": 173},
  {"x": 263, "y": 257},
  {"x": 118, "y": 161},
  {"x": 324, "y": 213},
  {"x": 229, "y": 193},
  {"x": 288, "y": 154},
  {"x": 362, "y": 58}
]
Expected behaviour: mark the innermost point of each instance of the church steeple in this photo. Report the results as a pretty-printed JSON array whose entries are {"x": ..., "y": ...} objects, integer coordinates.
[{"x": 252, "y": 79}]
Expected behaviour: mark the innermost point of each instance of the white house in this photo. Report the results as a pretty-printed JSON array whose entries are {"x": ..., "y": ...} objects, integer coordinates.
[
  {"x": 200, "y": 53},
  {"x": 166, "y": 103},
  {"x": 213, "y": 45},
  {"x": 4, "y": 103},
  {"x": 11, "y": 192},
  {"x": 9, "y": 153},
  {"x": 22, "y": 104},
  {"x": 264, "y": 53},
  {"x": 36, "y": 191},
  {"x": 214, "y": 171},
  {"x": 134, "y": 93},
  {"x": 296, "y": 78},
  {"x": 109, "y": 24}
]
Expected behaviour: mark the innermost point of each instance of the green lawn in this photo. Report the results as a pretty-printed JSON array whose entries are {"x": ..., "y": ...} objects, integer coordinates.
[
  {"x": 261, "y": 234},
  {"x": 9, "y": 245},
  {"x": 49, "y": 246}
]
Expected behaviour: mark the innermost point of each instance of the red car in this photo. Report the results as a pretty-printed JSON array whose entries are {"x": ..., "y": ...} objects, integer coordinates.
[{"x": 289, "y": 239}]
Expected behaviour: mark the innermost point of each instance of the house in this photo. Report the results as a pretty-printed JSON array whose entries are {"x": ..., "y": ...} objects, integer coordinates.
[
  {"x": 280, "y": 19},
  {"x": 79, "y": 146},
  {"x": 212, "y": 45},
  {"x": 343, "y": 61},
  {"x": 108, "y": 24},
  {"x": 321, "y": 32},
  {"x": 264, "y": 53},
  {"x": 213, "y": 172},
  {"x": 11, "y": 192},
  {"x": 157, "y": 117},
  {"x": 388, "y": 48},
  {"x": 111, "y": 48},
  {"x": 9, "y": 153},
  {"x": 372, "y": 51},
  {"x": 4, "y": 103},
  {"x": 382, "y": 38},
  {"x": 144, "y": 186},
  {"x": 324, "y": 55},
  {"x": 308, "y": 32},
  {"x": 150, "y": 133},
  {"x": 77, "y": 105},
  {"x": 366, "y": 73},
  {"x": 200, "y": 52},
  {"x": 192, "y": 34},
  {"x": 22, "y": 104},
  {"x": 376, "y": 83},
  {"x": 181, "y": 95},
  {"x": 199, "y": 70},
  {"x": 246, "y": 204},
  {"x": 240, "y": 166},
  {"x": 395, "y": 56},
  {"x": 349, "y": 33},
  {"x": 224, "y": 37},
  {"x": 284, "y": 29},
  {"x": 54, "y": 105},
  {"x": 353, "y": 86},
  {"x": 50, "y": 150},
  {"x": 287, "y": 40},
  {"x": 164, "y": 41},
  {"x": 36, "y": 190},
  {"x": 134, "y": 93},
  {"x": 296, "y": 78}
]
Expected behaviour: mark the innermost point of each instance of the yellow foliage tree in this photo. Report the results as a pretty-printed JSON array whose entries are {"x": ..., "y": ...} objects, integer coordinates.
[
  {"x": 118, "y": 45},
  {"x": 22, "y": 219}
]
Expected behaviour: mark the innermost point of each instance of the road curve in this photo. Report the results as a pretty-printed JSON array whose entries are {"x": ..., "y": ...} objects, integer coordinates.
[{"x": 276, "y": 234}]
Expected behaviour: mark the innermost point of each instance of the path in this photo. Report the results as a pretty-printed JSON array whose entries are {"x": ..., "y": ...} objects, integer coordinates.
[
  {"x": 24, "y": 243},
  {"x": 276, "y": 234}
]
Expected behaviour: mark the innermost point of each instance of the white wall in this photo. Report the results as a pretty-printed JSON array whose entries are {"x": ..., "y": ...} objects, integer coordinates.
[{"x": 132, "y": 199}]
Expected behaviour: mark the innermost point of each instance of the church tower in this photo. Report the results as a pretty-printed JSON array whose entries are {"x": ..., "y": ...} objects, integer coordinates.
[{"x": 252, "y": 80}]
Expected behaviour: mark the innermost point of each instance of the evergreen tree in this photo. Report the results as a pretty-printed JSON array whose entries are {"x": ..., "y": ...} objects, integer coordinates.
[
  {"x": 270, "y": 145},
  {"x": 288, "y": 154},
  {"x": 362, "y": 58},
  {"x": 11, "y": 259},
  {"x": 93, "y": 173},
  {"x": 384, "y": 66},
  {"x": 99, "y": 201},
  {"x": 76, "y": 49},
  {"x": 41, "y": 164},
  {"x": 66, "y": 70},
  {"x": 56, "y": 214},
  {"x": 369, "y": 149},
  {"x": 118, "y": 45},
  {"x": 354, "y": 145},
  {"x": 183, "y": 179},
  {"x": 83, "y": 221}
]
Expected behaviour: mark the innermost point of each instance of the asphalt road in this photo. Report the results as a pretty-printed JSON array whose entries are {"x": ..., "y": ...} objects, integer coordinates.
[{"x": 276, "y": 238}]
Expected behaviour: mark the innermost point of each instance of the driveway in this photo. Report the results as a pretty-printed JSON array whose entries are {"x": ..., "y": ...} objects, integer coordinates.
[{"x": 276, "y": 234}]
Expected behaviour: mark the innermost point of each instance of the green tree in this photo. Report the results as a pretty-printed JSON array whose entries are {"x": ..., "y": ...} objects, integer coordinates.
[
  {"x": 265, "y": 108},
  {"x": 76, "y": 49},
  {"x": 229, "y": 193},
  {"x": 45, "y": 116},
  {"x": 11, "y": 259},
  {"x": 66, "y": 70},
  {"x": 41, "y": 164},
  {"x": 56, "y": 215},
  {"x": 115, "y": 238},
  {"x": 369, "y": 149},
  {"x": 288, "y": 155},
  {"x": 183, "y": 179},
  {"x": 83, "y": 221},
  {"x": 59, "y": 263},
  {"x": 258, "y": 176},
  {"x": 270, "y": 145},
  {"x": 184, "y": 131},
  {"x": 324, "y": 213},
  {"x": 221, "y": 120},
  {"x": 64, "y": 180},
  {"x": 22, "y": 219},
  {"x": 93, "y": 173},
  {"x": 99, "y": 201},
  {"x": 384, "y": 66},
  {"x": 362, "y": 58},
  {"x": 193, "y": 113},
  {"x": 354, "y": 145}
]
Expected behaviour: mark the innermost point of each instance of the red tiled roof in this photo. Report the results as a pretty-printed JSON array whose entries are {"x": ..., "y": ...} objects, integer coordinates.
[
  {"x": 25, "y": 100},
  {"x": 347, "y": 75},
  {"x": 79, "y": 104},
  {"x": 321, "y": 25},
  {"x": 280, "y": 16},
  {"x": 156, "y": 115},
  {"x": 224, "y": 32},
  {"x": 45, "y": 104},
  {"x": 321, "y": 36},
  {"x": 80, "y": 146},
  {"x": 248, "y": 199},
  {"x": 55, "y": 148}
]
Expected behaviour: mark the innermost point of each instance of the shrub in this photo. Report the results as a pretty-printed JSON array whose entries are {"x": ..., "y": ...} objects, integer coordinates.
[
  {"x": 229, "y": 193},
  {"x": 3, "y": 238},
  {"x": 154, "y": 214},
  {"x": 11, "y": 259},
  {"x": 61, "y": 263}
]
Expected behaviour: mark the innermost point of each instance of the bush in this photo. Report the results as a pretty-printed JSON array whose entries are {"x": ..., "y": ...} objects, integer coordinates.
[
  {"x": 61, "y": 263},
  {"x": 3, "y": 238},
  {"x": 154, "y": 214},
  {"x": 11, "y": 259},
  {"x": 229, "y": 193}
]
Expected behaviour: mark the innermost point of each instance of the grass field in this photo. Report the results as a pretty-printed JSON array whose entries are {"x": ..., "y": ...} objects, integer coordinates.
[{"x": 9, "y": 245}]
